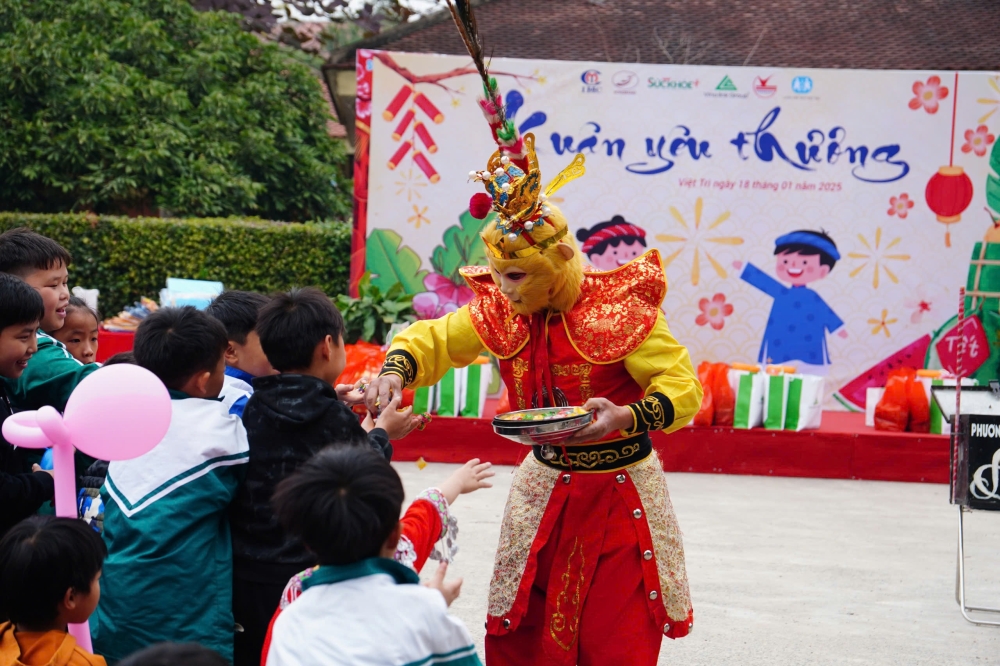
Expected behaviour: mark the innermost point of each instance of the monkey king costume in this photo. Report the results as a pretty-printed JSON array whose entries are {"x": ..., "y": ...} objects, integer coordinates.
[{"x": 590, "y": 565}]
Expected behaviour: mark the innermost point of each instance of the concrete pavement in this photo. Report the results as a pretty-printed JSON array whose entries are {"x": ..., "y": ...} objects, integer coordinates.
[{"x": 791, "y": 571}]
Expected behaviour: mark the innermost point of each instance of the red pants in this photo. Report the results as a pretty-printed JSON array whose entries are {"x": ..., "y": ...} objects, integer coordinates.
[{"x": 615, "y": 623}]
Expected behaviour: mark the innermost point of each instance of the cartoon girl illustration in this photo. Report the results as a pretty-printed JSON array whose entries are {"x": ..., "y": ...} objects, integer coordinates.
[{"x": 609, "y": 245}]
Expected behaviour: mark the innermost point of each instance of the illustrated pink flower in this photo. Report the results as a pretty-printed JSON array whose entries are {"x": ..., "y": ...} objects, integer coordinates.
[
  {"x": 900, "y": 205},
  {"x": 927, "y": 95},
  {"x": 442, "y": 296},
  {"x": 925, "y": 301},
  {"x": 978, "y": 140},
  {"x": 714, "y": 312}
]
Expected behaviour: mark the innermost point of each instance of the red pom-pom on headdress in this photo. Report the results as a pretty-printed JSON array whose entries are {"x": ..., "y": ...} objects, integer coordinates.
[{"x": 480, "y": 205}]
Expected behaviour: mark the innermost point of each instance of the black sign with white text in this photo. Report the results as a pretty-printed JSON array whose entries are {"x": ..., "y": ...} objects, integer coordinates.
[{"x": 979, "y": 462}]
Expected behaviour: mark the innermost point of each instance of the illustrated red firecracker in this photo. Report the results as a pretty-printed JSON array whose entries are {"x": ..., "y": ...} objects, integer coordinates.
[
  {"x": 428, "y": 107},
  {"x": 425, "y": 136},
  {"x": 397, "y": 102},
  {"x": 400, "y": 154},
  {"x": 948, "y": 194},
  {"x": 404, "y": 122},
  {"x": 426, "y": 167}
]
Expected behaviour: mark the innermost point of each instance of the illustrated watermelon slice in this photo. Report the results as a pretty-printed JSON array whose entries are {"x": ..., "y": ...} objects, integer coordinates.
[{"x": 913, "y": 355}]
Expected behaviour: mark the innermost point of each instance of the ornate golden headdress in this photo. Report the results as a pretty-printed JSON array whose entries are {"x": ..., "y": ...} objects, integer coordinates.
[{"x": 512, "y": 178}]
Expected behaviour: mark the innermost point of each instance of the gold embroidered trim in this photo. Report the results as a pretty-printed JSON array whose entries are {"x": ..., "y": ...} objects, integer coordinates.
[
  {"x": 591, "y": 459},
  {"x": 667, "y": 543},
  {"x": 558, "y": 623},
  {"x": 402, "y": 363},
  {"x": 529, "y": 496},
  {"x": 654, "y": 412}
]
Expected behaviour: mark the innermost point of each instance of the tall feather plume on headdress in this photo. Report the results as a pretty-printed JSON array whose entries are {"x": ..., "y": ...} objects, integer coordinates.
[
  {"x": 504, "y": 132},
  {"x": 512, "y": 178}
]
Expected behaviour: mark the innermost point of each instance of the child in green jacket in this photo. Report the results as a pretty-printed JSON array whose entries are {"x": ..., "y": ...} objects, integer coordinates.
[{"x": 53, "y": 373}]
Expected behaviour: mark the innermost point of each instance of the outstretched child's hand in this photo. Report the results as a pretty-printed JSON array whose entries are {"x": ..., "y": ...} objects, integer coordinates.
[
  {"x": 397, "y": 422},
  {"x": 350, "y": 394},
  {"x": 466, "y": 479},
  {"x": 449, "y": 590}
]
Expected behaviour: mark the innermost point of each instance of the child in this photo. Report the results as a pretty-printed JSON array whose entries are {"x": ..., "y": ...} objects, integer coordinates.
[
  {"x": 289, "y": 418},
  {"x": 49, "y": 577},
  {"x": 20, "y": 311},
  {"x": 426, "y": 521},
  {"x": 169, "y": 569},
  {"x": 344, "y": 504},
  {"x": 609, "y": 245},
  {"x": 79, "y": 332},
  {"x": 245, "y": 360},
  {"x": 54, "y": 373},
  {"x": 800, "y": 318}
]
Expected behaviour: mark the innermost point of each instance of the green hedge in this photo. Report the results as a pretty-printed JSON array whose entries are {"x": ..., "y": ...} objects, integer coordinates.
[{"x": 131, "y": 257}]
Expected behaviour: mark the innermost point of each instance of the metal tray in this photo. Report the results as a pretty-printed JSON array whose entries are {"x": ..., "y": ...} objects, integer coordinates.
[{"x": 548, "y": 431}]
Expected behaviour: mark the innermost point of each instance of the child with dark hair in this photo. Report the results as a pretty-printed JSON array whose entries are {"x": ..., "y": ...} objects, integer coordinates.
[
  {"x": 344, "y": 505},
  {"x": 43, "y": 264},
  {"x": 800, "y": 318},
  {"x": 245, "y": 360},
  {"x": 175, "y": 654},
  {"x": 120, "y": 357},
  {"x": 169, "y": 569},
  {"x": 611, "y": 244},
  {"x": 49, "y": 578},
  {"x": 79, "y": 332},
  {"x": 21, "y": 309},
  {"x": 290, "y": 417}
]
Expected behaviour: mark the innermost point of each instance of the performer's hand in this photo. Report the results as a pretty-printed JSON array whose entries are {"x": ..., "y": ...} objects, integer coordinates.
[
  {"x": 381, "y": 390},
  {"x": 350, "y": 393},
  {"x": 397, "y": 423},
  {"x": 468, "y": 478},
  {"x": 608, "y": 417},
  {"x": 449, "y": 590}
]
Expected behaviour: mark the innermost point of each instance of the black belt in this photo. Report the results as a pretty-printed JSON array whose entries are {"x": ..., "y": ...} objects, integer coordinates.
[{"x": 599, "y": 457}]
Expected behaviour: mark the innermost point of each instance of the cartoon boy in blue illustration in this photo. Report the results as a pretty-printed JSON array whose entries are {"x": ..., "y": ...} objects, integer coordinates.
[{"x": 800, "y": 318}]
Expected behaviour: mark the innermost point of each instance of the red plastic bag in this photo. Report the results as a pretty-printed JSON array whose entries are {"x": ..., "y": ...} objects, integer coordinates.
[
  {"x": 722, "y": 396},
  {"x": 364, "y": 361},
  {"x": 892, "y": 413},
  {"x": 920, "y": 409},
  {"x": 707, "y": 412},
  {"x": 503, "y": 406}
]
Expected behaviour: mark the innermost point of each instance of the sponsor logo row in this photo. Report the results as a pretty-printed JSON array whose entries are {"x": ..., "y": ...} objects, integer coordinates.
[{"x": 625, "y": 82}]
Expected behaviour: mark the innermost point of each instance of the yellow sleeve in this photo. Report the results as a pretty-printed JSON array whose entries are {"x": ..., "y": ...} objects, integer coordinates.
[
  {"x": 662, "y": 366},
  {"x": 425, "y": 350}
]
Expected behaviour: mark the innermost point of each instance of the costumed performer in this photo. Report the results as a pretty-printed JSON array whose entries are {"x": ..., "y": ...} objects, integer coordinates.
[{"x": 590, "y": 565}]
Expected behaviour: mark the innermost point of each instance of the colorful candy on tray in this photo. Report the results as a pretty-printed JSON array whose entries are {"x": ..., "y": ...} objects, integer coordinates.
[{"x": 550, "y": 414}]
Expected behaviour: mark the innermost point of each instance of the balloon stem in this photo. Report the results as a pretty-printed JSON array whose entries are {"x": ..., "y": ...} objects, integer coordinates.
[
  {"x": 947, "y": 239},
  {"x": 64, "y": 470}
]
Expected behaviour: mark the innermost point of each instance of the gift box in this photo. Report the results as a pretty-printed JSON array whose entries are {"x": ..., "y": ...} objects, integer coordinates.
[
  {"x": 448, "y": 393},
  {"x": 776, "y": 381},
  {"x": 425, "y": 400},
  {"x": 804, "y": 408},
  {"x": 747, "y": 383},
  {"x": 475, "y": 383}
]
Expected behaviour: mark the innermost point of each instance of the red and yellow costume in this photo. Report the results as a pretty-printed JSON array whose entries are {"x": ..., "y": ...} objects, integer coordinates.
[
  {"x": 590, "y": 565},
  {"x": 589, "y": 549}
]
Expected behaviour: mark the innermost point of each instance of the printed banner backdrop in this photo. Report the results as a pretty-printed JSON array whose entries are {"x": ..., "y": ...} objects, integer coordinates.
[{"x": 711, "y": 166}]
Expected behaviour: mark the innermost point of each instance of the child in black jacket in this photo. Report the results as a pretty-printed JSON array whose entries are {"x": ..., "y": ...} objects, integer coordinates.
[
  {"x": 290, "y": 417},
  {"x": 21, "y": 311}
]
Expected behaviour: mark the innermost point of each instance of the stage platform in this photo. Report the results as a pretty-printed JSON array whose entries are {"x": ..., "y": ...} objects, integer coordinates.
[{"x": 843, "y": 448}]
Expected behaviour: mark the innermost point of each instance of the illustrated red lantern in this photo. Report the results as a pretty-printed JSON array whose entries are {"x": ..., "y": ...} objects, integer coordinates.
[{"x": 948, "y": 194}]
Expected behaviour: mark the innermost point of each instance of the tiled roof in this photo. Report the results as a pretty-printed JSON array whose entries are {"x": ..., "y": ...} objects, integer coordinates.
[{"x": 860, "y": 34}]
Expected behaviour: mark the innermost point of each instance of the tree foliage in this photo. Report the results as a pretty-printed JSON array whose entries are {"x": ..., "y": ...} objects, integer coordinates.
[{"x": 140, "y": 106}]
